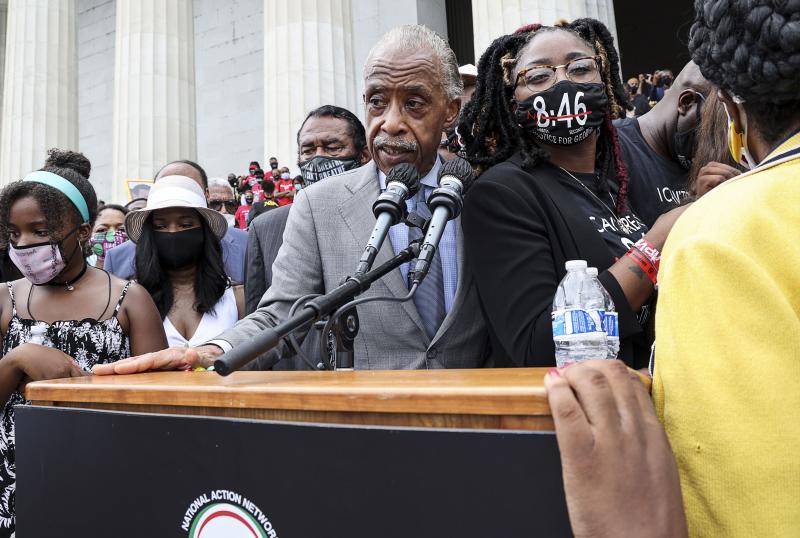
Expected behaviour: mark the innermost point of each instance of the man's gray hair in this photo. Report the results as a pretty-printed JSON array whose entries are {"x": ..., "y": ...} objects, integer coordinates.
[
  {"x": 219, "y": 182},
  {"x": 415, "y": 37}
]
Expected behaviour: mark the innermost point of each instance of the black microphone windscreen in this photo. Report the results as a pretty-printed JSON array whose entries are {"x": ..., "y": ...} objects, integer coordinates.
[
  {"x": 407, "y": 174},
  {"x": 460, "y": 169}
]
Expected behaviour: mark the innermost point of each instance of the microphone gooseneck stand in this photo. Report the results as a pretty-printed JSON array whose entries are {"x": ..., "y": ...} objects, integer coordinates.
[{"x": 312, "y": 311}]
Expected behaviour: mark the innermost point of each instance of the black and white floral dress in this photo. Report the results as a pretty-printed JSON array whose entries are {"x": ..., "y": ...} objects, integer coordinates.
[{"x": 89, "y": 342}]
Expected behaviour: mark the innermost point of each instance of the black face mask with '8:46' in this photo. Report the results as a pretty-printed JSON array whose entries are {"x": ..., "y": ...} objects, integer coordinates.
[{"x": 565, "y": 114}]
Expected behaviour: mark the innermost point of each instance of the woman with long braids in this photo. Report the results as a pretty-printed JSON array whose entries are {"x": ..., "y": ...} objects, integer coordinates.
[
  {"x": 726, "y": 382},
  {"x": 552, "y": 187}
]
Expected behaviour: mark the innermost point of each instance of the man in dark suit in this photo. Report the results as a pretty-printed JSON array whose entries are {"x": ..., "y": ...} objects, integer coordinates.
[
  {"x": 121, "y": 260},
  {"x": 330, "y": 141}
]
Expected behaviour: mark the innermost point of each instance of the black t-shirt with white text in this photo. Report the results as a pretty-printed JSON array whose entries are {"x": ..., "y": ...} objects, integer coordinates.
[
  {"x": 655, "y": 184},
  {"x": 619, "y": 233}
]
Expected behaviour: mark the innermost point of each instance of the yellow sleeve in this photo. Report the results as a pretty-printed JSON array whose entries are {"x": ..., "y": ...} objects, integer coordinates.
[{"x": 727, "y": 380}]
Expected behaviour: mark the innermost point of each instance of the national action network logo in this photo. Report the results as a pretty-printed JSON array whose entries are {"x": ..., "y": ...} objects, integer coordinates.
[{"x": 221, "y": 513}]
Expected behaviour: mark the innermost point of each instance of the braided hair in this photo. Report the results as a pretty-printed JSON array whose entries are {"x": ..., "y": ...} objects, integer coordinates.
[
  {"x": 751, "y": 49},
  {"x": 490, "y": 132}
]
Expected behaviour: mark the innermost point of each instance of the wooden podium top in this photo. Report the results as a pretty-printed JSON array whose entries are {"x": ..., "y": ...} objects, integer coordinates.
[{"x": 505, "y": 398}]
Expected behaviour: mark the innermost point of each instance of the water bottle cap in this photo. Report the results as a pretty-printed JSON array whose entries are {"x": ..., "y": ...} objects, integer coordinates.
[
  {"x": 591, "y": 271},
  {"x": 576, "y": 265}
]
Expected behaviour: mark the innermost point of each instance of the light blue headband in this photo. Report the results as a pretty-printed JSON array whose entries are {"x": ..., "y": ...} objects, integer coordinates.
[{"x": 62, "y": 185}]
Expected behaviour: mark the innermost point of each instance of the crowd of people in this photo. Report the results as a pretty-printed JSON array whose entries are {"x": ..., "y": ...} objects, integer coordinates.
[{"x": 571, "y": 163}]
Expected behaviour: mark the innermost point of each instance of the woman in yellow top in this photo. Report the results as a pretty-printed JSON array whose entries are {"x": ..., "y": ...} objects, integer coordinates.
[{"x": 726, "y": 380}]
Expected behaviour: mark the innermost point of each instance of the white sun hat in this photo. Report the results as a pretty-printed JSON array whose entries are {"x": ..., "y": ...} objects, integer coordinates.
[{"x": 175, "y": 191}]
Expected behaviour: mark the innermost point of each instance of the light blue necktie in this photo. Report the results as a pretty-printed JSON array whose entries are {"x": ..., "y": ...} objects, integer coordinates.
[{"x": 429, "y": 298}]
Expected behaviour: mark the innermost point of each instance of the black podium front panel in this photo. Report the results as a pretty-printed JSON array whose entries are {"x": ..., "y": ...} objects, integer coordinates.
[{"x": 106, "y": 474}]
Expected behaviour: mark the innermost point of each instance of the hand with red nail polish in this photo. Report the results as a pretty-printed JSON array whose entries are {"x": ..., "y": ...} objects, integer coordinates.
[{"x": 620, "y": 476}]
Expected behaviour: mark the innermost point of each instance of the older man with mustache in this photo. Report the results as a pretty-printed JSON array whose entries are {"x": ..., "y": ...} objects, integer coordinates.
[{"x": 412, "y": 93}]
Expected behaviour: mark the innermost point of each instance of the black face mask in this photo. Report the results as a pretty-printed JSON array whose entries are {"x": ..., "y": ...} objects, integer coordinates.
[
  {"x": 683, "y": 143},
  {"x": 321, "y": 167},
  {"x": 273, "y": 165},
  {"x": 179, "y": 249},
  {"x": 564, "y": 114}
]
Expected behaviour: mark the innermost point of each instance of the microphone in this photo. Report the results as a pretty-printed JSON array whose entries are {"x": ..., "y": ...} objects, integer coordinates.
[
  {"x": 445, "y": 203},
  {"x": 402, "y": 182}
]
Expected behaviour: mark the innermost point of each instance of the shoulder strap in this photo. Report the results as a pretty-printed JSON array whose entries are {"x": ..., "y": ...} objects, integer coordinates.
[
  {"x": 122, "y": 297},
  {"x": 13, "y": 302}
]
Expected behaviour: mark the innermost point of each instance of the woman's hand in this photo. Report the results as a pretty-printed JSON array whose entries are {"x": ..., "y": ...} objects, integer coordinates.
[
  {"x": 713, "y": 174},
  {"x": 37, "y": 363},
  {"x": 620, "y": 477}
]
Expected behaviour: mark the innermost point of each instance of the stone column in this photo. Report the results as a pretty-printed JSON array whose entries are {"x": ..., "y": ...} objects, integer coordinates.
[
  {"x": 494, "y": 18},
  {"x": 3, "y": 18},
  {"x": 40, "y": 91},
  {"x": 154, "y": 89},
  {"x": 308, "y": 62}
]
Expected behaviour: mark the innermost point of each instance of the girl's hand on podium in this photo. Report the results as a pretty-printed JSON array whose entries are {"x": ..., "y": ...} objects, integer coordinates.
[
  {"x": 37, "y": 363},
  {"x": 32, "y": 362},
  {"x": 173, "y": 358}
]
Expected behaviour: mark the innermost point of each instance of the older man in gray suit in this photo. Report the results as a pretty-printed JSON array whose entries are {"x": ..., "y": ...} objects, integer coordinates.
[{"x": 412, "y": 93}]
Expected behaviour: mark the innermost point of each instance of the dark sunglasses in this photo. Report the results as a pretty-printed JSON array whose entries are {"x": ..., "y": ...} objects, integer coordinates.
[{"x": 216, "y": 205}]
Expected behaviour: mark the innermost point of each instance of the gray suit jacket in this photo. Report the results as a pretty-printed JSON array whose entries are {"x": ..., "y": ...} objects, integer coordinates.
[{"x": 328, "y": 226}]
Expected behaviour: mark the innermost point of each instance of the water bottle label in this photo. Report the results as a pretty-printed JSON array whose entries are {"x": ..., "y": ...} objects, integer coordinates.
[
  {"x": 611, "y": 323},
  {"x": 576, "y": 321}
]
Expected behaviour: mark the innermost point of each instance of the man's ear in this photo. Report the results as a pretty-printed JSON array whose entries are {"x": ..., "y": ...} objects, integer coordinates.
[
  {"x": 364, "y": 157},
  {"x": 686, "y": 99},
  {"x": 733, "y": 111},
  {"x": 453, "y": 110}
]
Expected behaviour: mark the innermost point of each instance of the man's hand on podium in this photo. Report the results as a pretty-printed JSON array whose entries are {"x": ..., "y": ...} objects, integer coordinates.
[
  {"x": 173, "y": 358},
  {"x": 620, "y": 477}
]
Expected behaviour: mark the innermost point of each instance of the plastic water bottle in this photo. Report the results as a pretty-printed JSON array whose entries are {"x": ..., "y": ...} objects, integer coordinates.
[
  {"x": 610, "y": 318},
  {"x": 577, "y": 317},
  {"x": 38, "y": 334}
]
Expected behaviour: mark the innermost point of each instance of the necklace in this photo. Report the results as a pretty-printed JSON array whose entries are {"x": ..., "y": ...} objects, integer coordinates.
[
  {"x": 70, "y": 284},
  {"x": 108, "y": 301},
  {"x": 621, "y": 224}
]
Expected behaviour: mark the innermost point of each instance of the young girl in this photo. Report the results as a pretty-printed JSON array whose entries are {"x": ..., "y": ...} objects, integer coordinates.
[{"x": 64, "y": 316}]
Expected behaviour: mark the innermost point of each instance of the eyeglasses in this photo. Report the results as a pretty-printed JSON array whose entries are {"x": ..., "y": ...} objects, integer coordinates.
[
  {"x": 230, "y": 205},
  {"x": 539, "y": 78}
]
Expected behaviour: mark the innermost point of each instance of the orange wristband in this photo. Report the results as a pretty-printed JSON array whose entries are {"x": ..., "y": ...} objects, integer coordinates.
[{"x": 644, "y": 263}]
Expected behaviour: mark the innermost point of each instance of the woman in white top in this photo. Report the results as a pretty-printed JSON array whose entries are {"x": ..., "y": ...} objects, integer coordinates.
[{"x": 179, "y": 261}]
